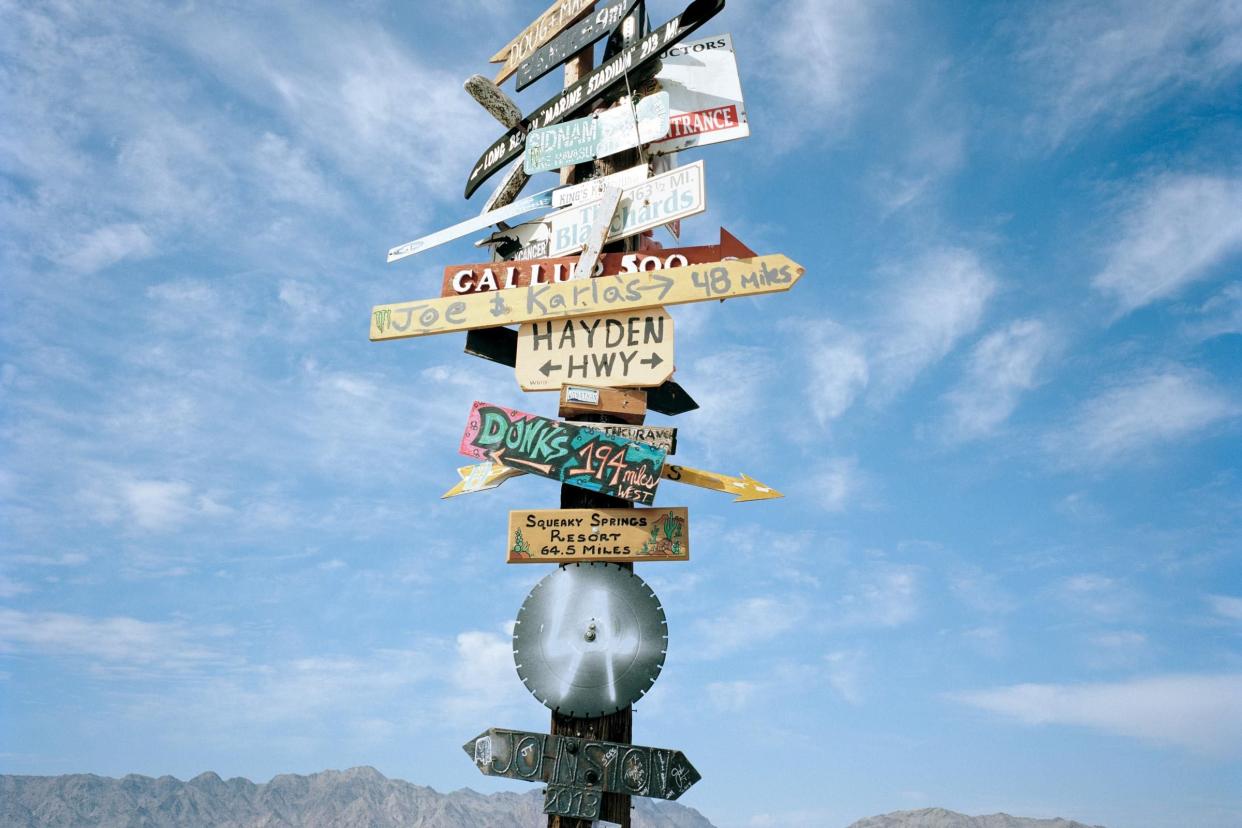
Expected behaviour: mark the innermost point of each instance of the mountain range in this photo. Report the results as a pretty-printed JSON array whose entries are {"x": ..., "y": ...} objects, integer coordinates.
[{"x": 354, "y": 798}]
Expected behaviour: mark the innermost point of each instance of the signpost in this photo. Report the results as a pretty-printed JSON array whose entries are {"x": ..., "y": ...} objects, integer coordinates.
[
  {"x": 623, "y": 127},
  {"x": 705, "y": 95},
  {"x": 492, "y": 98},
  {"x": 577, "y": 456},
  {"x": 480, "y": 477},
  {"x": 573, "y": 40},
  {"x": 660, "y": 199},
  {"x": 462, "y": 279},
  {"x": 607, "y": 294},
  {"x": 470, "y": 225},
  {"x": 559, "y": 15},
  {"x": 617, "y": 350},
  {"x": 595, "y": 238},
  {"x": 662, "y": 437},
  {"x": 593, "y": 188},
  {"x": 582, "y": 763},
  {"x": 614, "y": 535},
  {"x": 598, "y": 84}
]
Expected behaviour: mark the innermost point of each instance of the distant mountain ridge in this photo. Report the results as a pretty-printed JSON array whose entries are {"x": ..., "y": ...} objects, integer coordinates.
[
  {"x": 355, "y": 798},
  {"x": 940, "y": 818}
]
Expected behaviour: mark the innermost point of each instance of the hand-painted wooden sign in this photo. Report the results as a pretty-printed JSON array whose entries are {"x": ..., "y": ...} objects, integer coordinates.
[
  {"x": 582, "y": 763},
  {"x": 658, "y": 200},
  {"x": 570, "y": 454},
  {"x": 547, "y": 26},
  {"x": 572, "y": 41},
  {"x": 662, "y": 437},
  {"x": 633, "y": 349},
  {"x": 606, "y": 294},
  {"x": 614, "y": 535},
  {"x": 460, "y": 280},
  {"x": 746, "y": 488},
  {"x": 610, "y": 75},
  {"x": 492, "y": 98},
  {"x": 623, "y": 127},
  {"x": 705, "y": 94}
]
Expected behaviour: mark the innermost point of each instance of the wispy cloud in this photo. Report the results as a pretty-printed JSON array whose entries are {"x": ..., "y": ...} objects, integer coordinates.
[
  {"x": 1202, "y": 713},
  {"x": 1172, "y": 232},
  {"x": 744, "y": 624},
  {"x": 1140, "y": 413},
  {"x": 1228, "y": 607},
  {"x": 1103, "y": 63},
  {"x": 1002, "y": 366}
]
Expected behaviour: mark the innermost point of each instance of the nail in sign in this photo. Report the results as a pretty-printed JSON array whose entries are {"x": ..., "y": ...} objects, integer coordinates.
[
  {"x": 616, "y": 350},
  {"x": 570, "y": 454}
]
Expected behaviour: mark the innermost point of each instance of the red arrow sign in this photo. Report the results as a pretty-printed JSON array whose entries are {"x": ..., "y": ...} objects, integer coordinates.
[{"x": 480, "y": 278}]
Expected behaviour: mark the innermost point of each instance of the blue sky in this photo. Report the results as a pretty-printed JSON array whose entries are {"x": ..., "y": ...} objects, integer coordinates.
[{"x": 1003, "y": 403}]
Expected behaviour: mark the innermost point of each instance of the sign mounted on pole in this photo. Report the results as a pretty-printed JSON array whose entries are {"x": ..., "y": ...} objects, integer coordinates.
[
  {"x": 572, "y": 41},
  {"x": 617, "y": 350},
  {"x": 470, "y": 225},
  {"x": 607, "y": 294},
  {"x": 599, "y": 83},
  {"x": 705, "y": 95},
  {"x": 658, "y": 200},
  {"x": 566, "y": 453},
  {"x": 559, "y": 15},
  {"x": 615, "y": 535},
  {"x": 463, "y": 279},
  {"x": 595, "y": 239},
  {"x": 593, "y": 188},
  {"x": 662, "y": 437},
  {"x": 492, "y": 98},
  {"x": 582, "y": 763},
  {"x": 597, "y": 136}
]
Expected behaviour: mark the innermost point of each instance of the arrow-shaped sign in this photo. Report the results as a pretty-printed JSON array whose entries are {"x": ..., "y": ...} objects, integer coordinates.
[
  {"x": 480, "y": 477},
  {"x": 471, "y": 225},
  {"x": 582, "y": 763},
  {"x": 605, "y": 294},
  {"x": 545, "y": 27},
  {"x": 572, "y": 41},
  {"x": 745, "y": 487}
]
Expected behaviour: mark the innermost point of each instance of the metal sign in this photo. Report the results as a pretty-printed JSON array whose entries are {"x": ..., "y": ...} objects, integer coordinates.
[
  {"x": 616, "y": 535},
  {"x": 658, "y": 200},
  {"x": 705, "y": 94},
  {"x": 599, "y": 83},
  {"x": 594, "y": 188},
  {"x": 470, "y": 225},
  {"x": 559, "y": 15},
  {"x": 597, "y": 136},
  {"x": 590, "y": 639},
  {"x": 572, "y": 41},
  {"x": 633, "y": 349},
  {"x": 566, "y": 453},
  {"x": 745, "y": 487},
  {"x": 662, "y": 437},
  {"x": 463, "y": 279},
  {"x": 581, "y": 763},
  {"x": 606, "y": 294}
]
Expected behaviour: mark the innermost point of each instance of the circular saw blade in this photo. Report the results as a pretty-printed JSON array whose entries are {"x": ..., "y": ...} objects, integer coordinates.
[{"x": 590, "y": 639}]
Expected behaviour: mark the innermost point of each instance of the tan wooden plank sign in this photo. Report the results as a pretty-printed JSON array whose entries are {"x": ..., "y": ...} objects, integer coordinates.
[
  {"x": 607, "y": 294},
  {"x": 547, "y": 26},
  {"x": 633, "y": 349},
  {"x": 616, "y": 535}
]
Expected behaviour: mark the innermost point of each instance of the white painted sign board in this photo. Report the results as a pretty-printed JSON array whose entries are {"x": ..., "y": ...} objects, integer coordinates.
[
  {"x": 705, "y": 95},
  {"x": 631, "y": 349}
]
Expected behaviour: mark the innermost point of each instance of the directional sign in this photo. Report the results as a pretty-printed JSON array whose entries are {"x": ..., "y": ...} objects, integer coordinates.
[
  {"x": 572, "y": 41},
  {"x": 616, "y": 350},
  {"x": 746, "y": 488},
  {"x": 571, "y": 454},
  {"x": 623, "y": 127},
  {"x": 606, "y": 294},
  {"x": 595, "y": 238},
  {"x": 616, "y": 535},
  {"x": 662, "y": 437},
  {"x": 510, "y": 185},
  {"x": 582, "y": 763},
  {"x": 704, "y": 92},
  {"x": 479, "y": 278},
  {"x": 492, "y": 98},
  {"x": 480, "y": 477},
  {"x": 610, "y": 75},
  {"x": 658, "y": 200},
  {"x": 559, "y": 15},
  {"x": 526, "y": 205},
  {"x": 593, "y": 188}
]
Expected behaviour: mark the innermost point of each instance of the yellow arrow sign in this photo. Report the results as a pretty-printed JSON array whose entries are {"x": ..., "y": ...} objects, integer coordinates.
[
  {"x": 480, "y": 477},
  {"x": 606, "y": 294},
  {"x": 483, "y": 476}
]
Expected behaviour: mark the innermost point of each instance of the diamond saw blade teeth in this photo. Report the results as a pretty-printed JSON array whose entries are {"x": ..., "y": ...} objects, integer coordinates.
[{"x": 592, "y": 641}]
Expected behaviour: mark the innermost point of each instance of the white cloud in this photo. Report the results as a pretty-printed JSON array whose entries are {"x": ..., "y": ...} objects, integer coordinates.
[
  {"x": 1097, "y": 595},
  {"x": 845, "y": 669},
  {"x": 150, "y": 505},
  {"x": 1139, "y": 414},
  {"x": 1221, "y": 314},
  {"x": 1202, "y": 713},
  {"x": 745, "y": 624},
  {"x": 1106, "y": 62},
  {"x": 936, "y": 299},
  {"x": 879, "y": 595},
  {"x": 1228, "y": 607},
  {"x": 1173, "y": 233},
  {"x": 108, "y": 245},
  {"x": 836, "y": 482},
  {"x": 117, "y": 641},
  {"x": 10, "y": 588},
  {"x": 483, "y": 675},
  {"x": 839, "y": 370},
  {"x": 731, "y": 696},
  {"x": 1002, "y": 366}
]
